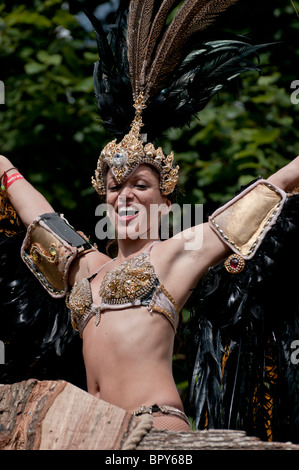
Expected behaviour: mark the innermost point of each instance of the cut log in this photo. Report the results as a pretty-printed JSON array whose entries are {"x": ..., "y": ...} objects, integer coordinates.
[
  {"x": 59, "y": 416},
  {"x": 213, "y": 439},
  {"x": 48, "y": 415}
]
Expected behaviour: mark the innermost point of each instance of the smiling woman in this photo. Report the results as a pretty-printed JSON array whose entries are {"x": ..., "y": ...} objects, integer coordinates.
[
  {"x": 132, "y": 204},
  {"x": 127, "y": 308},
  {"x": 135, "y": 298}
]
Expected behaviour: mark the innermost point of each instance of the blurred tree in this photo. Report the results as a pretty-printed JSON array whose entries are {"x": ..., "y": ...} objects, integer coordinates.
[
  {"x": 49, "y": 125},
  {"x": 50, "y": 128},
  {"x": 238, "y": 138}
]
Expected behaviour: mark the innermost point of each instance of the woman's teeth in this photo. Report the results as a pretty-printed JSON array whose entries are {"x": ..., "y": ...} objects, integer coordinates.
[{"x": 127, "y": 212}]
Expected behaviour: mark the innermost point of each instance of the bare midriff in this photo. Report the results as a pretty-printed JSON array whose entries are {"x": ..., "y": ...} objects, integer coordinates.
[{"x": 128, "y": 359}]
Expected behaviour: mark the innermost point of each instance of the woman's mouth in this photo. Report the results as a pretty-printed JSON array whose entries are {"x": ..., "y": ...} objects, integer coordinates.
[{"x": 127, "y": 213}]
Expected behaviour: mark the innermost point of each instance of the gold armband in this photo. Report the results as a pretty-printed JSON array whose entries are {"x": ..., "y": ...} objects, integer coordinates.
[
  {"x": 49, "y": 248},
  {"x": 243, "y": 222}
]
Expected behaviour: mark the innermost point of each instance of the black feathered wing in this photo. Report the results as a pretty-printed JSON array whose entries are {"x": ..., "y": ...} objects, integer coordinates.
[
  {"x": 39, "y": 341},
  {"x": 243, "y": 326}
]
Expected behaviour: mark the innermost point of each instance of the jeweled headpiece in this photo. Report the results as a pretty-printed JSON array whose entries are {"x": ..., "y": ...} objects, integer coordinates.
[
  {"x": 124, "y": 157},
  {"x": 165, "y": 71}
]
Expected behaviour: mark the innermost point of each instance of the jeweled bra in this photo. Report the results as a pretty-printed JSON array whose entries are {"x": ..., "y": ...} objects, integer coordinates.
[
  {"x": 133, "y": 279},
  {"x": 132, "y": 283}
]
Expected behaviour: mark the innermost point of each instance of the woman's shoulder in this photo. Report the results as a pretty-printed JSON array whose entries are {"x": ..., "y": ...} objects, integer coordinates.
[{"x": 86, "y": 265}]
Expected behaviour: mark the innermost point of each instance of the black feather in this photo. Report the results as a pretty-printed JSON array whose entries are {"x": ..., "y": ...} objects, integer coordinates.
[
  {"x": 204, "y": 70},
  {"x": 35, "y": 328},
  {"x": 253, "y": 318},
  {"x": 112, "y": 85}
]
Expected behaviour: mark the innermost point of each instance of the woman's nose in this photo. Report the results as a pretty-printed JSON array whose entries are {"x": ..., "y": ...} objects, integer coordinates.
[{"x": 126, "y": 192}]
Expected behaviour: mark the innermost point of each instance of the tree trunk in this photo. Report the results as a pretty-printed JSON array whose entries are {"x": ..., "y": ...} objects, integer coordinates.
[{"x": 50, "y": 415}]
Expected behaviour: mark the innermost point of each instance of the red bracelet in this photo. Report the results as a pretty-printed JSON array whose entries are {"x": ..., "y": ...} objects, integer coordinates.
[
  {"x": 4, "y": 176},
  {"x": 4, "y": 182},
  {"x": 12, "y": 179}
]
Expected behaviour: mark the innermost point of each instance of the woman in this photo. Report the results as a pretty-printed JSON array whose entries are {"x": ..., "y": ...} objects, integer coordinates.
[
  {"x": 128, "y": 349},
  {"x": 126, "y": 309}
]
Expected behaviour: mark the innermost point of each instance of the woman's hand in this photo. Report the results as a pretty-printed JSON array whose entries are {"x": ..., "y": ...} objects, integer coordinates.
[{"x": 287, "y": 177}]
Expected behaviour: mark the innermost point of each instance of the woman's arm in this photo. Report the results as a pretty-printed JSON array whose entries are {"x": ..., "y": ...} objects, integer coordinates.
[
  {"x": 26, "y": 200},
  {"x": 287, "y": 177},
  {"x": 182, "y": 260},
  {"x": 29, "y": 204}
]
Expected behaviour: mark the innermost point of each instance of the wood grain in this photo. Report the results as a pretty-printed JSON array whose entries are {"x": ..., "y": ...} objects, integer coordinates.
[
  {"x": 55, "y": 415},
  {"x": 59, "y": 416}
]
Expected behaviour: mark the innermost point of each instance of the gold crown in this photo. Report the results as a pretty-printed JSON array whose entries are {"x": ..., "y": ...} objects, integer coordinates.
[{"x": 123, "y": 158}]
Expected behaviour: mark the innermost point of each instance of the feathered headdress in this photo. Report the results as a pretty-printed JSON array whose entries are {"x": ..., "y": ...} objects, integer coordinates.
[{"x": 147, "y": 62}]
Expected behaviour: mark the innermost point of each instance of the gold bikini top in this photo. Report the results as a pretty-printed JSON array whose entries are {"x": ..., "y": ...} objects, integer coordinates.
[{"x": 132, "y": 283}]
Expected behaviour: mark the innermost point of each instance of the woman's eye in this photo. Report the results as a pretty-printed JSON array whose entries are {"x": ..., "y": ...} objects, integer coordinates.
[
  {"x": 113, "y": 188},
  {"x": 141, "y": 186}
]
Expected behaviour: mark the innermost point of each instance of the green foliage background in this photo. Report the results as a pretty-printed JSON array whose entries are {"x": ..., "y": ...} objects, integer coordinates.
[
  {"x": 50, "y": 129},
  {"x": 49, "y": 125}
]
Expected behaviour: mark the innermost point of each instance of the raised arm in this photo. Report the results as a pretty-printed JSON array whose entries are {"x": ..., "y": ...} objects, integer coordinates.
[
  {"x": 52, "y": 249},
  {"x": 189, "y": 254},
  {"x": 284, "y": 179},
  {"x": 26, "y": 200},
  {"x": 287, "y": 177}
]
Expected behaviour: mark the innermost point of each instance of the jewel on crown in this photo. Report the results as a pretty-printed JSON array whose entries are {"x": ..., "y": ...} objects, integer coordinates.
[{"x": 124, "y": 157}]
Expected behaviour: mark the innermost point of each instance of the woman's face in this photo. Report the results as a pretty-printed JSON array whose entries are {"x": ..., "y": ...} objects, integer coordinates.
[{"x": 135, "y": 206}]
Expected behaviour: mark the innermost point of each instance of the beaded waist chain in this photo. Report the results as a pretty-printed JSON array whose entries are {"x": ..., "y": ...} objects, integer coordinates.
[{"x": 163, "y": 409}]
